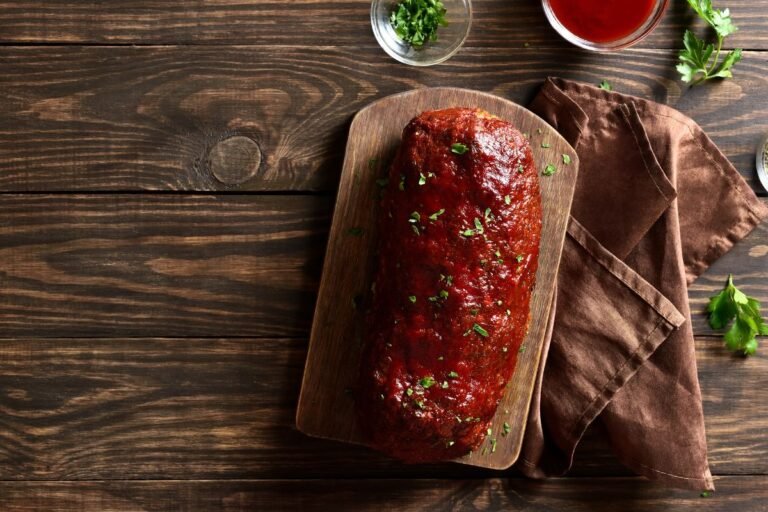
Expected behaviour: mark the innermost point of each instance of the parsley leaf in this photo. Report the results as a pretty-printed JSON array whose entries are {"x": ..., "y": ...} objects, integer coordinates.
[
  {"x": 427, "y": 382},
  {"x": 549, "y": 170},
  {"x": 606, "y": 85},
  {"x": 459, "y": 148},
  {"x": 697, "y": 62},
  {"x": 416, "y": 21},
  {"x": 479, "y": 330},
  {"x": 733, "y": 305}
]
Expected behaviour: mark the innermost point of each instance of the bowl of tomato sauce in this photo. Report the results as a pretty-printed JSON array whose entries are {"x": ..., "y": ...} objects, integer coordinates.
[{"x": 604, "y": 25}]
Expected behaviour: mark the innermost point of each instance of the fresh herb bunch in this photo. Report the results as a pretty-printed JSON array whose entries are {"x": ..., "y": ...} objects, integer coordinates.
[
  {"x": 732, "y": 304},
  {"x": 697, "y": 62},
  {"x": 416, "y": 21}
]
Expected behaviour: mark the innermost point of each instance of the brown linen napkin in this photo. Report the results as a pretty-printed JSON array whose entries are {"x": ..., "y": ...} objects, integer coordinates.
[{"x": 655, "y": 204}]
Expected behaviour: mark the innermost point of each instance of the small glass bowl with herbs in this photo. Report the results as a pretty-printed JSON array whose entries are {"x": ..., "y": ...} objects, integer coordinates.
[{"x": 421, "y": 32}]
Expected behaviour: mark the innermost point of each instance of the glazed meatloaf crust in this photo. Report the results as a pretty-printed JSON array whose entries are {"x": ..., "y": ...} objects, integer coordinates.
[{"x": 459, "y": 229}]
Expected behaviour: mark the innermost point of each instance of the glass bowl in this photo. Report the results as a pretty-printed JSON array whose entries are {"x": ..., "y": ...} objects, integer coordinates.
[
  {"x": 635, "y": 37},
  {"x": 449, "y": 38},
  {"x": 762, "y": 160}
]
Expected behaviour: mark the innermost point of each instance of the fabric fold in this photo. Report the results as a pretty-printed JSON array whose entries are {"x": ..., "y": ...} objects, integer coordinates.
[{"x": 655, "y": 204}]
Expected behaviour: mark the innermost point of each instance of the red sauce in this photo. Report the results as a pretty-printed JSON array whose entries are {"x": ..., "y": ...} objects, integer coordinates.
[{"x": 602, "y": 21}]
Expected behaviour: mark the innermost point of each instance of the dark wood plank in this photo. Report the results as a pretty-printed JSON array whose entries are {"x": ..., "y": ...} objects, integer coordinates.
[
  {"x": 163, "y": 118},
  {"x": 160, "y": 265},
  {"x": 345, "y": 22},
  {"x": 734, "y": 494},
  {"x": 187, "y": 265},
  {"x": 224, "y": 408}
]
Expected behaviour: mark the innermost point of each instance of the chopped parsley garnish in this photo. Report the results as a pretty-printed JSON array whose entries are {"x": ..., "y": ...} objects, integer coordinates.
[
  {"x": 479, "y": 330},
  {"x": 497, "y": 254},
  {"x": 419, "y": 403},
  {"x": 355, "y": 231},
  {"x": 453, "y": 375},
  {"x": 507, "y": 200},
  {"x": 566, "y": 159},
  {"x": 520, "y": 169},
  {"x": 412, "y": 298},
  {"x": 409, "y": 392},
  {"x": 435, "y": 215},
  {"x": 467, "y": 232},
  {"x": 427, "y": 382},
  {"x": 545, "y": 145},
  {"x": 422, "y": 179},
  {"x": 505, "y": 429},
  {"x": 519, "y": 258},
  {"x": 414, "y": 218},
  {"x": 415, "y": 229},
  {"x": 549, "y": 170},
  {"x": 474, "y": 311},
  {"x": 522, "y": 349},
  {"x": 493, "y": 445},
  {"x": 606, "y": 85},
  {"x": 448, "y": 279},
  {"x": 459, "y": 148},
  {"x": 443, "y": 294},
  {"x": 416, "y": 21},
  {"x": 478, "y": 226}
]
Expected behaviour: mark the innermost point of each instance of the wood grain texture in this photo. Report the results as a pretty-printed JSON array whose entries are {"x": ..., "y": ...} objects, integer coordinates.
[
  {"x": 333, "y": 362},
  {"x": 84, "y": 409},
  {"x": 188, "y": 265},
  {"x": 734, "y": 494},
  {"x": 169, "y": 265},
  {"x": 147, "y": 118},
  {"x": 498, "y": 23}
]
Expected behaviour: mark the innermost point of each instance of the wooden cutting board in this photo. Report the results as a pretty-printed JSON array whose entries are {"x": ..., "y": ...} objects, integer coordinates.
[{"x": 326, "y": 407}]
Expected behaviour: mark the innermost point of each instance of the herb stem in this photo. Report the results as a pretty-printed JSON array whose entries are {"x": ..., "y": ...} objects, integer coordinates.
[{"x": 717, "y": 57}]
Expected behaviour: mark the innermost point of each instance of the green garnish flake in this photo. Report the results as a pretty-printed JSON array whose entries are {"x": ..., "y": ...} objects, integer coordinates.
[
  {"x": 422, "y": 179},
  {"x": 606, "y": 85},
  {"x": 748, "y": 323},
  {"x": 507, "y": 200},
  {"x": 478, "y": 226},
  {"x": 467, "y": 233},
  {"x": 458, "y": 148},
  {"x": 497, "y": 253},
  {"x": 419, "y": 403},
  {"x": 520, "y": 169},
  {"x": 545, "y": 145},
  {"x": 505, "y": 429},
  {"x": 705, "y": 494},
  {"x": 435, "y": 215},
  {"x": 488, "y": 216},
  {"x": 415, "y": 229},
  {"x": 443, "y": 294},
  {"x": 427, "y": 382},
  {"x": 566, "y": 159},
  {"x": 409, "y": 392},
  {"x": 453, "y": 375},
  {"x": 522, "y": 349},
  {"x": 412, "y": 298},
  {"x": 474, "y": 311},
  {"x": 414, "y": 218},
  {"x": 519, "y": 258},
  {"x": 356, "y": 231},
  {"x": 549, "y": 170},
  {"x": 479, "y": 330},
  {"x": 416, "y": 21},
  {"x": 493, "y": 445}
]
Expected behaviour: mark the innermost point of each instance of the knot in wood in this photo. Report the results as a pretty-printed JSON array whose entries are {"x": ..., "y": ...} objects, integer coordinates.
[{"x": 235, "y": 160}]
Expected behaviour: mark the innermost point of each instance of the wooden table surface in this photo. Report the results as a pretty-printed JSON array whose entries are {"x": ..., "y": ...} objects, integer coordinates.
[{"x": 168, "y": 171}]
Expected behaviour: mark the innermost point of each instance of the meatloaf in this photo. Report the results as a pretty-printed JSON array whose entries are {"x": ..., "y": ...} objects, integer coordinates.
[{"x": 459, "y": 227}]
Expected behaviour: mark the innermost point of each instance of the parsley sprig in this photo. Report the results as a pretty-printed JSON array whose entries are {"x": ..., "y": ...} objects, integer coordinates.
[
  {"x": 732, "y": 304},
  {"x": 697, "y": 63},
  {"x": 416, "y": 21}
]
